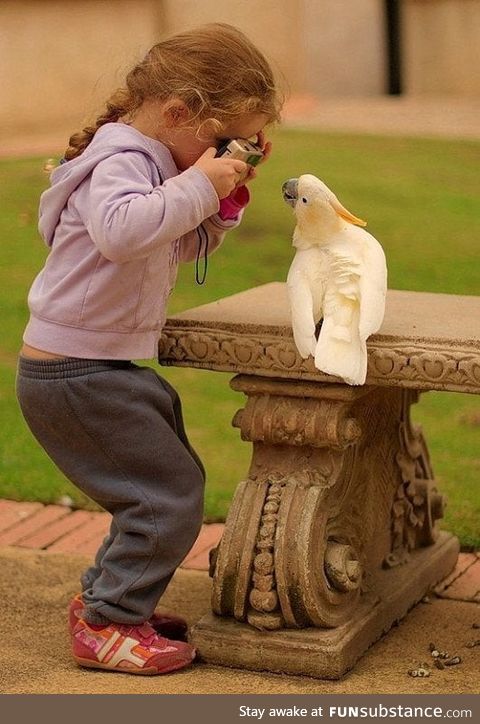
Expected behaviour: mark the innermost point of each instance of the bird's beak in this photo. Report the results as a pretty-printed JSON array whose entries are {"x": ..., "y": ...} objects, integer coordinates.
[
  {"x": 290, "y": 191},
  {"x": 344, "y": 213}
]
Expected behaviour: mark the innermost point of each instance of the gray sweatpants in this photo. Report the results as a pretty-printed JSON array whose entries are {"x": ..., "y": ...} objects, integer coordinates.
[{"x": 116, "y": 431}]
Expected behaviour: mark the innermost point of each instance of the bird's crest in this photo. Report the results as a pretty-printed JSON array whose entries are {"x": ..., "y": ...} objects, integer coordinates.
[{"x": 332, "y": 200}]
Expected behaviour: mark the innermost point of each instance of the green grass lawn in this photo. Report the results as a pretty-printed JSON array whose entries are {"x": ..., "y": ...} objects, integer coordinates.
[{"x": 420, "y": 198}]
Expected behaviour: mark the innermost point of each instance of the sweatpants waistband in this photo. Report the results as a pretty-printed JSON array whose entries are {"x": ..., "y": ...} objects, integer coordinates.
[{"x": 55, "y": 369}]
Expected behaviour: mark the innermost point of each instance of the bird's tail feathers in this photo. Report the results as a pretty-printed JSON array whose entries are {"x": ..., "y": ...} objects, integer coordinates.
[{"x": 341, "y": 352}]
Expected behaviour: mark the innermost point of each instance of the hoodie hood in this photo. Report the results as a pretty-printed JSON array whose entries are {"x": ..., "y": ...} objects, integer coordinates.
[{"x": 110, "y": 138}]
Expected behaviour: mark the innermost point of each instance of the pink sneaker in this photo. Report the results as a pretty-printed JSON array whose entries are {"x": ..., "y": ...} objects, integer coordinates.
[
  {"x": 129, "y": 649},
  {"x": 168, "y": 625}
]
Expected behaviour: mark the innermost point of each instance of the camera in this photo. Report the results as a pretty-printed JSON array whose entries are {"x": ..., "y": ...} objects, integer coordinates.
[{"x": 242, "y": 150}]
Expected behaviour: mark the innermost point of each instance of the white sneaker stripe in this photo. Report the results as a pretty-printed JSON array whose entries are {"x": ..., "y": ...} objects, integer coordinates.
[
  {"x": 125, "y": 653},
  {"x": 108, "y": 645}
]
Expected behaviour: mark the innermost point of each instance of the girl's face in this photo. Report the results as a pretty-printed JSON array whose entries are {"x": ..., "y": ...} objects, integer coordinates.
[
  {"x": 187, "y": 148},
  {"x": 166, "y": 123}
]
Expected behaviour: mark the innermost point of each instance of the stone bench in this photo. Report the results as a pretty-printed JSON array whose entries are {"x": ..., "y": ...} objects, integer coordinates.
[{"x": 332, "y": 536}]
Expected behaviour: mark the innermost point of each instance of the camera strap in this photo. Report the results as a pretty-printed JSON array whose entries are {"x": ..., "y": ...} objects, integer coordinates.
[{"x": 202, "y": 239}]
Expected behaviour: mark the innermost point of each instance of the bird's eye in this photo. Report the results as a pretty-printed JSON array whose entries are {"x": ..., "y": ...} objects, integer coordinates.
[{"x": 304, "y": 200}]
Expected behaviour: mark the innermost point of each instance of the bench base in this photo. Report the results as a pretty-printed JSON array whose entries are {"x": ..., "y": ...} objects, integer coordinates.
[{"x": 328, "y": 653}]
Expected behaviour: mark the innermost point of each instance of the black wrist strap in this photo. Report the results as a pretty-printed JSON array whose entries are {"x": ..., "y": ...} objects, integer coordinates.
[{"x": 202, "y": 240}]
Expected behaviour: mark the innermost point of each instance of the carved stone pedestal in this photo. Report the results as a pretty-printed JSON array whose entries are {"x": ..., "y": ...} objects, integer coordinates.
[
  {"x": 332, "y": 538},
  {"x": 320, "y": 652}
]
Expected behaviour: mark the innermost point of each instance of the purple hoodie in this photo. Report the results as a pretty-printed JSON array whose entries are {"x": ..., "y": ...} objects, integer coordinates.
[{"x": 118, "y": 219}]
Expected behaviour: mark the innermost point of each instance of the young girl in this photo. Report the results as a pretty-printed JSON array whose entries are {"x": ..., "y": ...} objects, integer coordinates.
[{"x": 136, "y": 193}]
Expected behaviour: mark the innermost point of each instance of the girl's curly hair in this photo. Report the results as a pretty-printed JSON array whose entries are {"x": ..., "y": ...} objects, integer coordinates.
[{"x": 215, "y": 70}]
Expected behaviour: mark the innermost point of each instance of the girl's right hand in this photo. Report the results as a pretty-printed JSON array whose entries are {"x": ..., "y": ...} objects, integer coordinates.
[{"x": 224, "y": 173}]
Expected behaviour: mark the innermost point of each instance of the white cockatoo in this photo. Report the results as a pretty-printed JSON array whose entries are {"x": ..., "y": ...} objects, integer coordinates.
[{"x": 339, "y": 275}]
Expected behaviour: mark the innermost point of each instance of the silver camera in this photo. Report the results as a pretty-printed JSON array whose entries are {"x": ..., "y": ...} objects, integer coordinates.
[{"x": 242, "y": 150}]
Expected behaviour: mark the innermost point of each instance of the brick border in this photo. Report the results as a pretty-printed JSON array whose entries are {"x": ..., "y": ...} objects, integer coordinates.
[{"x": 59, "y": 529}]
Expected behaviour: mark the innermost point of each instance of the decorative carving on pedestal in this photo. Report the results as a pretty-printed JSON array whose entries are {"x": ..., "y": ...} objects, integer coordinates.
[
  {"x": 300, "y": 562},
  {"x": 263, "y": 598},
  {"x": 426, "y": 365},
  {"x": 417, "y": 504},
  {"x": 339, "y": 492}
]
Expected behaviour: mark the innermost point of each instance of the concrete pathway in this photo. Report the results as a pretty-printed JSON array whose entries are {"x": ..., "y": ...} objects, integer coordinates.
[
  {"x": 36, "y": 587},
  {"x": 44, "y": 548},
  {"x": 387, "y": 115}
]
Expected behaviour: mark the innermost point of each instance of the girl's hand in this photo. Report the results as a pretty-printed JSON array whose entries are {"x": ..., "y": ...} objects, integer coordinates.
[
  {"x": 266, "y": 147},
  {"x": 224, "y": 173}
]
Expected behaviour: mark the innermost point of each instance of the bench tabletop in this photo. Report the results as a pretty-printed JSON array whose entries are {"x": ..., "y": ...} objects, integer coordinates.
[{"x": 427, "y": 341}]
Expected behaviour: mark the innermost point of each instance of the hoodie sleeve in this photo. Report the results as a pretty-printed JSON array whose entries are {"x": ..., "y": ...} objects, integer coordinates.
[
  {"x": 128, "y": 217},
  {"x": 215, "y": 227}
]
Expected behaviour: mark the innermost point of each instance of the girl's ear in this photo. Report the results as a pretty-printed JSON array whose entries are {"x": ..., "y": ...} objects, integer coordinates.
[{"x": 175, "y": 113}]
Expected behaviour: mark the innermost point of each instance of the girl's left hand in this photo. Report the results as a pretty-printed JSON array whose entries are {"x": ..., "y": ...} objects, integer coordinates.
[{"x": 266, "y": 147}]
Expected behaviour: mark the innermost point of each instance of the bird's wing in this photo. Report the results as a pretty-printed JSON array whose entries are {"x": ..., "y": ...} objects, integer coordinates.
[
  {"x": 340, "y": 350},
  {"x": 373, "y": 288},
  {"x": 301, "y": 307}
]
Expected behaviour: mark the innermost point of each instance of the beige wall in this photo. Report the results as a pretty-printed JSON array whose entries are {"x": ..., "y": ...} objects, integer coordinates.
[
  {"x": 59, "y": 58},
  {"x": 325, "y": 47},
  {"x": 273, "y": 25},
  {"x": 441, "y": 47},
  {"x": 344, "y": 42}
]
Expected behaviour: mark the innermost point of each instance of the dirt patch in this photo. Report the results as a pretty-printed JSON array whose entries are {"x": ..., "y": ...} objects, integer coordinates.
[{"x": 36, "y": 587}]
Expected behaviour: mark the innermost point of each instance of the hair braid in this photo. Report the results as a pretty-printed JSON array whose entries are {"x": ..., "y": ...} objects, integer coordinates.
[{"x": 119, "y": 104}]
